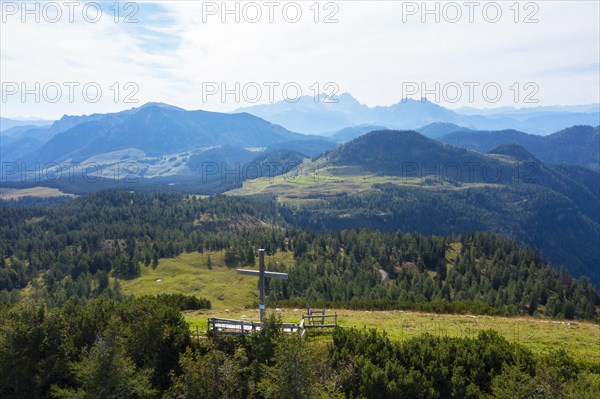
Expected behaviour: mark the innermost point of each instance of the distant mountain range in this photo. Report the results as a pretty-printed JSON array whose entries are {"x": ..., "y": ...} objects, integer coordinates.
[
  {"x": 578, "y": 145},
  {"x": 7, "y": 123},
  {"x": 308, "y": 116},
  {"x": 584, "y": 108},
  {"x": 164, "y": 142},
  {"x": 320, "y": 117},
  {"x": 158, "y": 130},
  {"x": 169, "y": 145}
]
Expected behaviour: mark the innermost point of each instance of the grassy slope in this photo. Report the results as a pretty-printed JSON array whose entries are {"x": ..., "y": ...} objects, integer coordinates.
[
  {"x": 580, "y": 339},
  {"x": 188, "y": 274},
  {"x": 42, "y": 192},
  {"x": 301, "y": 185}
]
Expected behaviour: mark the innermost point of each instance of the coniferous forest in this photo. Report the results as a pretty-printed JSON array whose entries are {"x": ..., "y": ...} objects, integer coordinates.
[{"x": 67, "y": 330}]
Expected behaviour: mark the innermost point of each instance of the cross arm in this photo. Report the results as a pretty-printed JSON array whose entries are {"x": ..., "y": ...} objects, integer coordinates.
[{"x": 256, "y": 273}]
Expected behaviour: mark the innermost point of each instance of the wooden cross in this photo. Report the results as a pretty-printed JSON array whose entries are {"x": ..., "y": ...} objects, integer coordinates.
[{"x": 261, "y": 274}]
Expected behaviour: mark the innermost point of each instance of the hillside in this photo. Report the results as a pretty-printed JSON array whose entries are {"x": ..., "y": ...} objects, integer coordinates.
[
  {"x": 350, "y": 133},
  {"x": 440, "y": 129},
  {"x": 402, "y": 153},
  {"x": 13, "y": 149},
  {"x": 404, "y": 181},
  {"x": 515, "y": 152},
  {"x": 157, "y": 130},
  {"x": 433, "y": 130},
  {"x": 7, "y": 123},
  {"x": 408, "y": 154},
  {"x": 577, "y": 145}
]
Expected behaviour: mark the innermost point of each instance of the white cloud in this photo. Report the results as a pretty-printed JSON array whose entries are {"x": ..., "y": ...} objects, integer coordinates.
[{"x": 369, "y": 53}]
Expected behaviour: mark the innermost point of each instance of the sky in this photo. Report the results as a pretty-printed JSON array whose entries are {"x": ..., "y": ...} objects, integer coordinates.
[{"x": 84, "y": 57}]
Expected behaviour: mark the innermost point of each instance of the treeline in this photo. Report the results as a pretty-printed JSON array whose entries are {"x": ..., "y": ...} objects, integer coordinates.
[
  {"x": 533, "y": 215},
  {"x": 71, "y": 250},
  {"x": 142, "y": 348},
  {"x": 76, "y": 246},
  {"x": 29, "y": 201},
  {"x": 487, "y": 366},
  {"x": 101, "y": 348},
  {"x": 478, "y": 272},
  {"x": 184, "y": 302}
]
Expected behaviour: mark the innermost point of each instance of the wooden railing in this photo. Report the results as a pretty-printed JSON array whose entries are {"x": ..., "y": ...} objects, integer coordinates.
[
  {"x": 314, "y": 319},
  {"x": 241, "y": 327}
]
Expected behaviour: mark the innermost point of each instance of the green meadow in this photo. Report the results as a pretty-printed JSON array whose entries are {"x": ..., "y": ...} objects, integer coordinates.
[{"x": 233, "y": 296}]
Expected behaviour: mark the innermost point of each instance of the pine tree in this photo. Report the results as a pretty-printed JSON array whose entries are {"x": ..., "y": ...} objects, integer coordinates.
[
  {"x": 105, "y": 371},
  {"x": 292, "y": 376}
]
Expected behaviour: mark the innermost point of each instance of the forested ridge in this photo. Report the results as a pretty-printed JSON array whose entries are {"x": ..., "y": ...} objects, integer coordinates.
[
  {"x": 444, "y": 190},
  {"x": 67, "y": 330},
  {"x": 488, "y": 274},
  {"x": 573, "y": 145},
  {"x": 532, "y": 215},
  {"x": 73, "y": 250}
]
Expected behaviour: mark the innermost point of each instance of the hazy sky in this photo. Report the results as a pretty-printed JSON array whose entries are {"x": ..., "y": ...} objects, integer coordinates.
[{"x": 182, "y": 53}]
